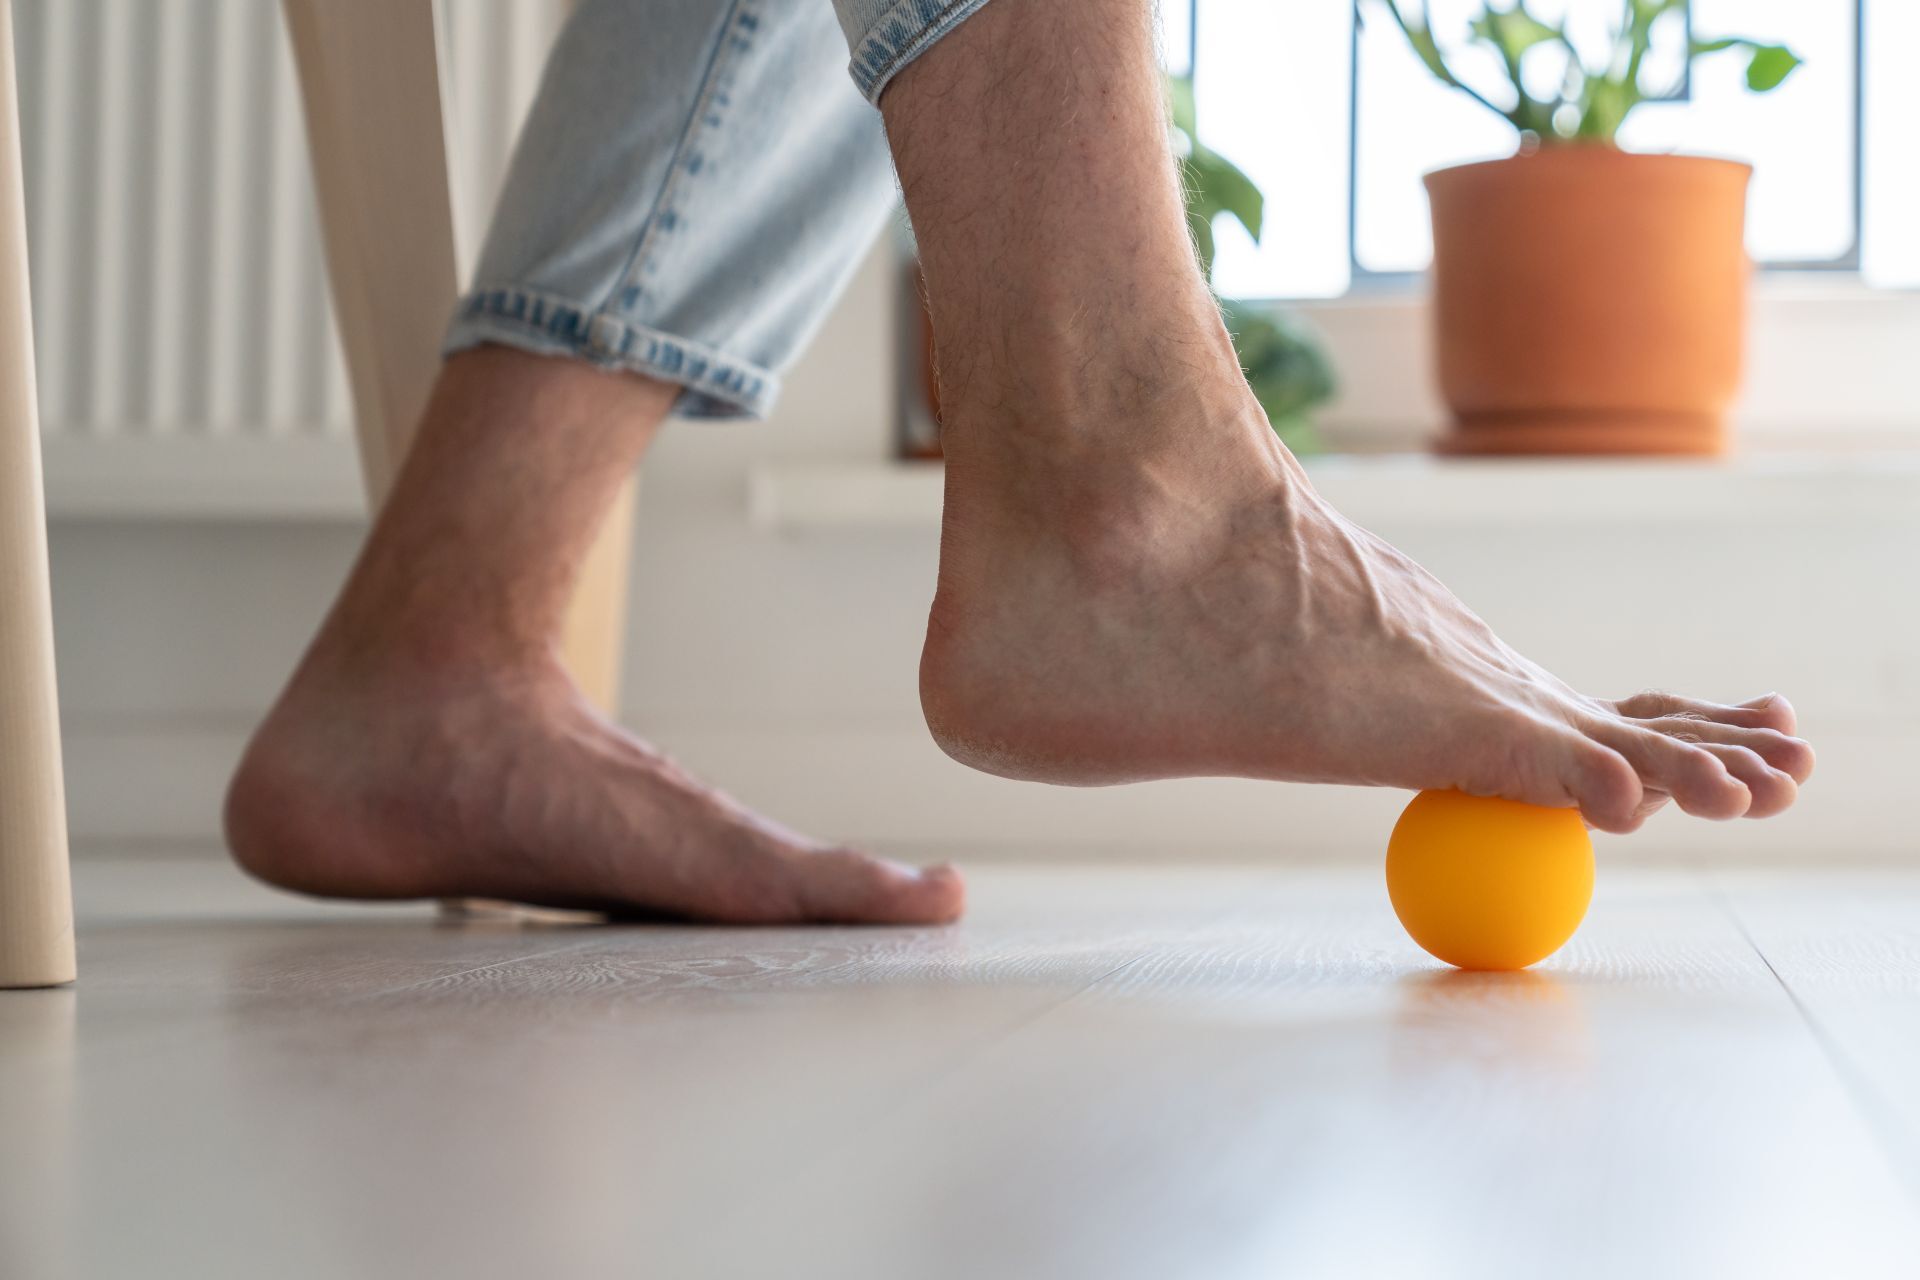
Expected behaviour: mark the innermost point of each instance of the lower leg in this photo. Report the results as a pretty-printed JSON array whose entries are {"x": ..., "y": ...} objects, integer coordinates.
[
  {"x": 1136, "y": 578},
  {"x": 430, "y": 743}
]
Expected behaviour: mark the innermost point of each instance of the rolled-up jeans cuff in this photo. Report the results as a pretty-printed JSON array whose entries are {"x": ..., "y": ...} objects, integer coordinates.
[
  {"x": 716, "y": 384},
  {"x": 902, "y": 32}
]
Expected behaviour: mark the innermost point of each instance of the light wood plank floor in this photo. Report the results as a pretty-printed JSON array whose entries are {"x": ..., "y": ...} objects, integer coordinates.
[{"x": 1102, "y": 1073}]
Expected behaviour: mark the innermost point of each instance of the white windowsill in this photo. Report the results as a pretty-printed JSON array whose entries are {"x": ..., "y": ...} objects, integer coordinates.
[
  {"x": 1768, "y": 289},
  {"x": 1866, "y": 489},
  {"x": 1825, "y": 358}
]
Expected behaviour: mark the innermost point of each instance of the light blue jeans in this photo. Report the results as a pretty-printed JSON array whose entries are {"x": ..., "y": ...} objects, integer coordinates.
[{"x": 694, "y": 185}]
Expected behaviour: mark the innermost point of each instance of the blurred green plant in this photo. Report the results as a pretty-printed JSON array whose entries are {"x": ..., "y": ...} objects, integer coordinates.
[
  {"x": 1594, "y": 98},
  {"x": 1285, "y": 364}
]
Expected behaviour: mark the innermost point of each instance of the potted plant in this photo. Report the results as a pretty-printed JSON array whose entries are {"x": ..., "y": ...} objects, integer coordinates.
[
  {"x": 1585, "y": 299},
  {"x": 1285, "y": 364}
]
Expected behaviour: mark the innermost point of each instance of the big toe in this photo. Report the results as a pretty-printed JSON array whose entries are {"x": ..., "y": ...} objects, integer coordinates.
[
  {"x": 843, "y": 886},
  {"x": 1609, "y": 792}
]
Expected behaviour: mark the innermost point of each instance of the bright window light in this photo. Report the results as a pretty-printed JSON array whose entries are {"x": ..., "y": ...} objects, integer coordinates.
[
  {"x": 1271, "y": 86},
  {"x": 1277, "y": 92},
  {"x": 1890, "y": 220}
]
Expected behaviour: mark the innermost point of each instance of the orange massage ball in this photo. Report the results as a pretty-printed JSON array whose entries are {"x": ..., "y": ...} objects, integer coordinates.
[{"x": 1489, "y": 884}]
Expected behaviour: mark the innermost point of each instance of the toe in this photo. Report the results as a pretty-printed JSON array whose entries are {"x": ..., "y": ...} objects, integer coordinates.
[
  {"x": 1789, "y": 755},
  {"x": 1773, "y": 712},
  {"x": 1692, "y": 774},
  {"x": 1606, "y": 787},
  {"x": 1652, "y": 801},
  {"x": 1769, "y": 711},
  {"x": 843, "y": 886},
  {"x": 1773, "y": 789}
]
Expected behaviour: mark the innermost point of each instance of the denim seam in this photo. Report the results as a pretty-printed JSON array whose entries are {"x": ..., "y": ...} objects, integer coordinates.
[
  {"x": 677, "y": 169},
  {"x": 878, "y": 58},
  {"x": 551, "y": 324}
]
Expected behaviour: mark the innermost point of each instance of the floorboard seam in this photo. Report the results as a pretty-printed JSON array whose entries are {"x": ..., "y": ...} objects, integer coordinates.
[{"x": 1882, "y": 1119}]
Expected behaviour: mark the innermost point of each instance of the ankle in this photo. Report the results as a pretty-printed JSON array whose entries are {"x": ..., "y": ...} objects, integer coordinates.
[
  {"x": 1087, "y": 366},
  {"x": 1198, "y": 449},
  {"x": 373, "y": 647}
]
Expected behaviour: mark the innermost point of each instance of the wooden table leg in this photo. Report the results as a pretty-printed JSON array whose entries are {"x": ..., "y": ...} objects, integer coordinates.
[{"x": 36, "y": 902}]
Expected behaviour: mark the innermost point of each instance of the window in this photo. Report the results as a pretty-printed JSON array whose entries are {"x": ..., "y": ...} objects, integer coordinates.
[{"x": 1337, "y": 120}]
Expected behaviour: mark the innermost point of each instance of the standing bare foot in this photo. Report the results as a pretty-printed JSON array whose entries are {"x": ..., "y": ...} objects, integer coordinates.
[
  {"x": 375, "y": 781},
  {"x": 431, "y": 746},
  {"x": 1136, "y": 579}
]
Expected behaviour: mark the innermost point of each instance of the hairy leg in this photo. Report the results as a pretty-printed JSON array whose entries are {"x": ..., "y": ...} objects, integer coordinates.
[
  {"x": 1136, "y": 579},
  {"x": 430, "y": 745}
]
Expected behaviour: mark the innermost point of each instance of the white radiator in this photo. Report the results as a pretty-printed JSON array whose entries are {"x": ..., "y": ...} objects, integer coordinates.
[{"x": 187, "y": 359}]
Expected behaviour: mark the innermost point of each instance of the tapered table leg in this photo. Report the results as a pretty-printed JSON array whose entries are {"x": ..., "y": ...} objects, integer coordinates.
[{"x": 36, "y": 903}]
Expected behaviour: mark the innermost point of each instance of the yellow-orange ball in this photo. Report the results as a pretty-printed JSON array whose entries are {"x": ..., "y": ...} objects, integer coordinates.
[{"x": 1489, "y": 884}]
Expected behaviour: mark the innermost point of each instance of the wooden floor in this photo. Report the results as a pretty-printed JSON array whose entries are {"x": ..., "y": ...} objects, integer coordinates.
[{"x": 1102, "y": 1073}]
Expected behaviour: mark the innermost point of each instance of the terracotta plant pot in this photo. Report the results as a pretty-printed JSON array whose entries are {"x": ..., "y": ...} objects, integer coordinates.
[{"x": 1588, "y": 300}]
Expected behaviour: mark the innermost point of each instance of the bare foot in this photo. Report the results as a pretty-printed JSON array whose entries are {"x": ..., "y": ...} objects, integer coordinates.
[
  {"x": 1121, "y": 611},
  {"x": 395, "y": 781},
  {"x": 430, "y": 744},
  {"x": 1136, "y": 580}
]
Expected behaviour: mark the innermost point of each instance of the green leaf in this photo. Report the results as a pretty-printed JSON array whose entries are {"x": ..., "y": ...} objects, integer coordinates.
[
  {"x": 1285, "y": 365},
  {"x": 1180, "y": 95},
  {"x": 1767, "y": 69},
  {"x": 1428, "y": 48},
  {"x": 1213, "y": 184},
  {"x": 1771, "y": 65},
  {"x": 1425, "y": 47},
  {"x": 1605, "y": 109},
  {"x": 1220, "y": 185},
  {"x": 1297, "y": 433},
  {"x": 1514, "y": 31},
  {"x": 1420, "y": 36},
  {"x": 1648, "y": 10}
]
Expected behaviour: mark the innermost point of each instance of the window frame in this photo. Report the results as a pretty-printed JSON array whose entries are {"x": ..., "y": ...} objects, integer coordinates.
[
  {"x": 1825, "y": 316},
  {"x": 1366, "y": 280}
]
